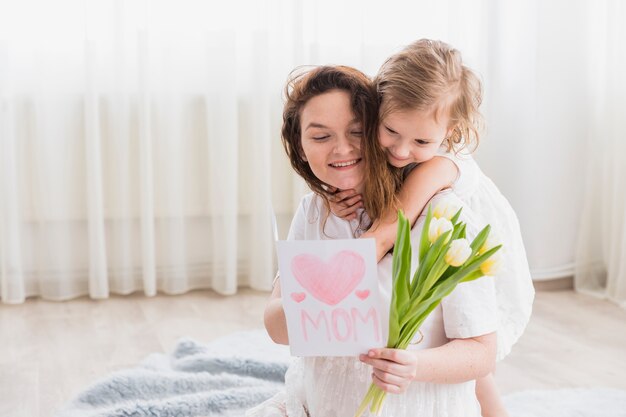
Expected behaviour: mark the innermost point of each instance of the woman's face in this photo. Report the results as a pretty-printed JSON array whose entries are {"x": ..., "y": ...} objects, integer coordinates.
[{"x": 331, "y": 140}]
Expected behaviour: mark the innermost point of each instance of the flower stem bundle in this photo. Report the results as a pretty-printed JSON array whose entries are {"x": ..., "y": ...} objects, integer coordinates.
[{"x": 446, "y": 259}]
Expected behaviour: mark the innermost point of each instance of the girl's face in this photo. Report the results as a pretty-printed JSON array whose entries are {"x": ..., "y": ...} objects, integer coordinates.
[
  {"x": 412, "y": 136},
  {"x": 331, "y": 140}
]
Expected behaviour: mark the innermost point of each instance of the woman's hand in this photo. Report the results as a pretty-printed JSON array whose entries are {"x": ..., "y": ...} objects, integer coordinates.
[
  {"x": 394, "y": 369},
  {"x": 345, "y": 203}
]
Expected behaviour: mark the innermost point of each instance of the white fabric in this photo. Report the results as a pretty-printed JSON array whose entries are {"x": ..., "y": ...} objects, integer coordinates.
[
  {"x": 600, "y": 260},
  {"x": 514, "y": 288},
  {"x": 139, "y": 138},
  {"x": 335, "y": 386},
  {"x": 136, "y": 147}
]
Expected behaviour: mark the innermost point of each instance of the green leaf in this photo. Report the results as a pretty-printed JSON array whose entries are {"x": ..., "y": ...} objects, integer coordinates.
[
  {"x": 425, "y": 267},
  {"x": 414, "y": 325},
  {"x": 463, "y": 234},
  {"x": 424, "y": 241},
  {"x": 480, "y": 239},
  {"x": 458, "y": 229},
  {"x": 455, "y": 218},
  {"x": 464, "y": 271},
  {"x": 473, "y": 276},
  {"x": 401, "y": 270},
  {"x": 481, "y": 258}
]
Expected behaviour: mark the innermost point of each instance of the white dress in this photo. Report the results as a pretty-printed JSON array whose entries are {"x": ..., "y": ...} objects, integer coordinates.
[
  {"x": 335, "y": 386},
  {"x": 514, "y": 288}
]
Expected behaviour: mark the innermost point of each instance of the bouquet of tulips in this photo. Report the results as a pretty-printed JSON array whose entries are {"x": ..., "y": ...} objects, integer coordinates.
[{"x": 446, "y": 258}]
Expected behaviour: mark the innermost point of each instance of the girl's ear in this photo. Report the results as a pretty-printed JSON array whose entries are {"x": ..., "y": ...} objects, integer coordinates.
[{"x": 450, "y": 131}]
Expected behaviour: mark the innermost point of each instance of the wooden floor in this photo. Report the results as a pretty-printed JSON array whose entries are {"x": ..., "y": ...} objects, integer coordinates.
[{"x": 49, "y": 351}]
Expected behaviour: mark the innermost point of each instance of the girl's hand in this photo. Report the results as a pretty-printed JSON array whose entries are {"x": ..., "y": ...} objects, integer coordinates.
[
  {"x": 345, "y": 203},
  {"x": 394, "y": 369}
]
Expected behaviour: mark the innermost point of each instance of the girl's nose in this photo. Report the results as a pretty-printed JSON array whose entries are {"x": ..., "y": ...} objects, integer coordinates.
[{"x": 401, "y": 150}]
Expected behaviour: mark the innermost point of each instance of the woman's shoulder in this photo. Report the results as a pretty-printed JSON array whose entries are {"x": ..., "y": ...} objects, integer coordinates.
[{"x": 311, "y": 203}]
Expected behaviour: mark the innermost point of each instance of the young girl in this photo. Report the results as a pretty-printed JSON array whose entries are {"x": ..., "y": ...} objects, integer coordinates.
[
  {"x": 328, "y": 132},
  {"x": 428, "y": 125}
]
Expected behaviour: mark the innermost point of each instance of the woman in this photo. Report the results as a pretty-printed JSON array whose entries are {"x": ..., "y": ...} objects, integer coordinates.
[{"x": 328, "y": 133}]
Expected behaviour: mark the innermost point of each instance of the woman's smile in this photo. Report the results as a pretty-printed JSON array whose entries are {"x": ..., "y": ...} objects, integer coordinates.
[{"x": 345, "y": 165}]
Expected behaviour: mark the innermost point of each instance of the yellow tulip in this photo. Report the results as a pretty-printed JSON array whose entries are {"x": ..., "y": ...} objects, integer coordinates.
[
  {"x": 491, "y": 241},
  {"x": 493, "y": 265},
  {"x": 445, "y": 209},
  {"x": 438, "y": 227},
  {"x": 458, "y": 252}
]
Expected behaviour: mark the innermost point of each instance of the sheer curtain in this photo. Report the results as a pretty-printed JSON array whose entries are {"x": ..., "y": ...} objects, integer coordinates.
[
  {"x": 601, "y": 266},
  {"x": 139, "y": 139}
]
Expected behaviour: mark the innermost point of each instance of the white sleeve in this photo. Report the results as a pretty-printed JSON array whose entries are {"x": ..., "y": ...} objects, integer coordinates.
[
  {"x": 471, "y": 309},
  {"x": 298, "y": 223}
]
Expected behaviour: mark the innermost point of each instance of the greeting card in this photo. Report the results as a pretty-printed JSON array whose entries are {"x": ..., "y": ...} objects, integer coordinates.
[{"x": 330, "y": 296}]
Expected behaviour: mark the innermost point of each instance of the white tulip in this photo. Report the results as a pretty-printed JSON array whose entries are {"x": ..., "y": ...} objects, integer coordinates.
[
  {"x": 438, "y": 227},
  {"x": 492, "y": 241},
  {"x": 446, "y": 209},
  {"x": 493, "y": 265},
  {"x": 458, "y": 252}
]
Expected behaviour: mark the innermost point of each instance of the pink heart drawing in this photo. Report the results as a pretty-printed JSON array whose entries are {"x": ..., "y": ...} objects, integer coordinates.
[
  {"x": 362, "y": 294},
  {"x": 298, "y": 297},
  {"x": 332, "y": 281}
]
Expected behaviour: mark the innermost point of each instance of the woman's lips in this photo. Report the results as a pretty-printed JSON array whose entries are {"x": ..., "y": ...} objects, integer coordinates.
[{"x": 345, "y": 164}]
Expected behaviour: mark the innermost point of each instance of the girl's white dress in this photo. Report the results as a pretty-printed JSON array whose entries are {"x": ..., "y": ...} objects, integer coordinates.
[
  {"x": 514, "y": 288},
  {"x": 335, "y": 386}
]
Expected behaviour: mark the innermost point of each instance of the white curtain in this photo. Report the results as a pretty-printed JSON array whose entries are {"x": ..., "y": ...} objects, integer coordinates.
[
  {"x": 139, "y": 140},
  {"x": 601, "y": 254}
]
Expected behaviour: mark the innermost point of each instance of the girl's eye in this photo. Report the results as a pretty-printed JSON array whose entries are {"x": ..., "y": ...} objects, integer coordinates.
[
  {"x": 393, "y": 132},
  {"x": 357, "y": 133},
  {"x": 320, "y": 137},
  {"x": 422, "y": 141}
]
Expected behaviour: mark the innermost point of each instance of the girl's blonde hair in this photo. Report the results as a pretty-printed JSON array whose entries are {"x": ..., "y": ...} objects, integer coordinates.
[
  {"x": 380, "y": 184},
  {"x": 429, "y": 75}
]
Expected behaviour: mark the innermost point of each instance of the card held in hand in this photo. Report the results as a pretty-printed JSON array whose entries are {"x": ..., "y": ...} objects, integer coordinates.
[{"x": 330, "y": 296}]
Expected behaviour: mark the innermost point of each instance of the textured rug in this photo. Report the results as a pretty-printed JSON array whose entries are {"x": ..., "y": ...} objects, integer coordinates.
[
  {"x": 222, "y": 378},
  {"x": 227, "y": 376},
  {"x": 567, "y": 402}
]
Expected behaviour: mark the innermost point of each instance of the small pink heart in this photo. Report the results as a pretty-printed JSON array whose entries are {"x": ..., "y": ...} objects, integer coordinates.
[
  {"x": 363, "y": 294},
  {"x": 298, "y": 297}
]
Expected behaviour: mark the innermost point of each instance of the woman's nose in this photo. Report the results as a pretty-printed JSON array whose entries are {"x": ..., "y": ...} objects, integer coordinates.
[{"x": 343, "y": 145}]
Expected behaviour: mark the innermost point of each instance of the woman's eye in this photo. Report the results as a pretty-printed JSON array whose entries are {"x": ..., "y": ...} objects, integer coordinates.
[
  {"x": 357, "y": 133},
  {"x": 320, "y": 137},
  {"x": 393, "y": 132}
]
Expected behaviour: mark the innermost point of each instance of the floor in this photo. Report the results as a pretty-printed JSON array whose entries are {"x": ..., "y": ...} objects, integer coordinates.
[{"x": 49, "y": 351}]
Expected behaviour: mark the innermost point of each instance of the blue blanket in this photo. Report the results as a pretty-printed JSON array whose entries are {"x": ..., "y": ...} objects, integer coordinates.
[{"x": 222, "y": 379}]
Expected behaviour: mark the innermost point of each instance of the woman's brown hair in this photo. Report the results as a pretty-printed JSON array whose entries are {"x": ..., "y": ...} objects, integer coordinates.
[
  {"x": 430, "y": 75},
  {"x": 380, "y": 183}
]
